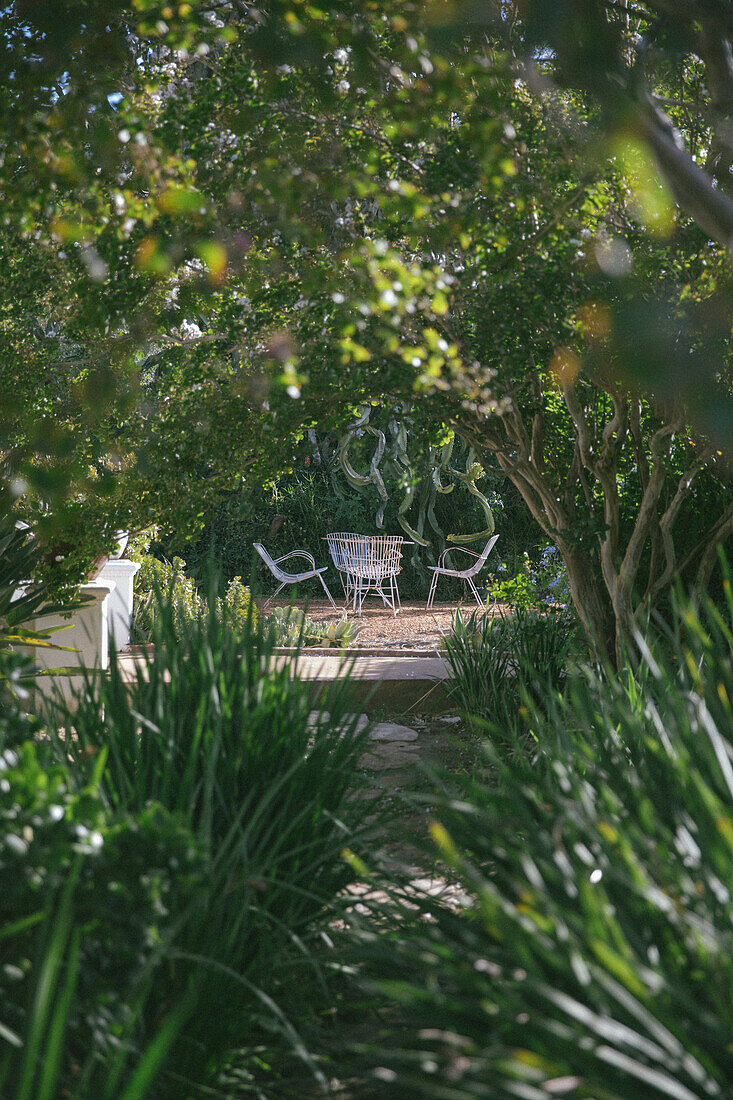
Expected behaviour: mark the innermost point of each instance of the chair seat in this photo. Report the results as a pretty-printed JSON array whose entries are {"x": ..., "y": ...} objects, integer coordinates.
[{"x": 293, "y": 578}]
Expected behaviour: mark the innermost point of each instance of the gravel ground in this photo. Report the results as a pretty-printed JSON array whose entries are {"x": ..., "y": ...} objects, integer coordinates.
[{"x": 413, "y": 626}]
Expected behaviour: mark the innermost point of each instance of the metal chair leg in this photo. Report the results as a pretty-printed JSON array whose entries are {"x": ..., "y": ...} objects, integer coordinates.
[
  {"x": 358, "y": 596},
  {"x": 325, "y": 589},
  {"x": 431, "y": 594},
  {"x": 347, "y": 585},
  {"x": 396, "y": 593},
  {"x": 272, "y": 597},
  {"x": 473, "y": 588}
]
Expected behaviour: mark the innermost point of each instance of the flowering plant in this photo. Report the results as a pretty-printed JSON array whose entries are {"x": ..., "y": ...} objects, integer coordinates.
[{"x": 533, "y": 585}]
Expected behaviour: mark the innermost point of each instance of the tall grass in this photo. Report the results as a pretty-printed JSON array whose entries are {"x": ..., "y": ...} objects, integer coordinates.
[
  {"x": 592, "y": 955},
  {"x": 497, "y": 662},
  {"x": 221, "y": 813}
]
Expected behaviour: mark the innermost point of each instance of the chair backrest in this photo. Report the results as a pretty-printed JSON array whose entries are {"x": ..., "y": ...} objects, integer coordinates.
[
  {"x": 386, "y": 554},
  {"x": 371, "y": 557},
  {"x": 274, "y": 569},
  {"x": 354, "y": 553},
  {"x": 480, "y": 561},
  {"x": 337, "y": 548}
]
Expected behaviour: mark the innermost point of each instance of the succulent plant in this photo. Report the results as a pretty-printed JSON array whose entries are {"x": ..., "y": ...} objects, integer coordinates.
[
  {"x": 293, "y": 627},
  {"x": 342, "y": 634}
]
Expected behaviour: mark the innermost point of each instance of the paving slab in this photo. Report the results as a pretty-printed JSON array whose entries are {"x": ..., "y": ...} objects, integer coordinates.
[
  {"x": 394, "y": 667},
  {"x": 318, "y": 718},
  {"x": 392, "y": 731}
]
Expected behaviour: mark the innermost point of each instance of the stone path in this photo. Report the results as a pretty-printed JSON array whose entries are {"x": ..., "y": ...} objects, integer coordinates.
[
  {"x": 391, "y": 764},
  {"x": 391, "y": 744},
  {"x": 393, "y": 756},
  {"x": 392, "y": 760}
]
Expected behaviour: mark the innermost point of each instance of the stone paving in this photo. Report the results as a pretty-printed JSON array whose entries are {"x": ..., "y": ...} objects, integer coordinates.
[
  {"x": 393, "y": 758},
  {"x": 392, "y": 745}
]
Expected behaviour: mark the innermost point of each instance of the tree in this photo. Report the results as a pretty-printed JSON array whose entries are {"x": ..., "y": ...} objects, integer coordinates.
[
  {"x": 315, "y": 211},
  {"x": 660, "y": 73},
  {"x": 362, "y": 287}
]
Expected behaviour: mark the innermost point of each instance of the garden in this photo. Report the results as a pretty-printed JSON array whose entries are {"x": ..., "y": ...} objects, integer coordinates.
[{"x": 388, "y": 346}]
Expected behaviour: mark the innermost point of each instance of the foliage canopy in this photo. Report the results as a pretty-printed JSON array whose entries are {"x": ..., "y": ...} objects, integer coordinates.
[{"x": 245, "y": 224}]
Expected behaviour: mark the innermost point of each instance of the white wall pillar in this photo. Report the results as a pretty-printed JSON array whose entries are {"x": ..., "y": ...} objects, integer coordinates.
[
  {"x": 120, "y": 572},
  {"x": 86, "y": 630}
]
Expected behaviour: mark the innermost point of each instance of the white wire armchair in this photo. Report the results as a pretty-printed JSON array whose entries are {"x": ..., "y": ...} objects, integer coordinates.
[
  {"x": 441, "y": 570},
  {"x": 273, "y": 564},
  {"x": 337, "y": 549},
  {"x": 366, "y": 563}
]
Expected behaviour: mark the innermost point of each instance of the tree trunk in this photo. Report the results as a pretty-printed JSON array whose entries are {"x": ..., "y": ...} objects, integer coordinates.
[{"x": 592, "y": 604}]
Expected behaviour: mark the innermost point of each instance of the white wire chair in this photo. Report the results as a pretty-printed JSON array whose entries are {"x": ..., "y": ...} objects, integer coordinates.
[
  {"x": 365, "y": 563},
  {"x": 336, "y": 547},
  {"x": 273, "y": 564},
  {"x": 441, "y": 570}
]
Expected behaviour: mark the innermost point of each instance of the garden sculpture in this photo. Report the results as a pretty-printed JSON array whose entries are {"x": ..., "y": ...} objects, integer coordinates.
[{"x": 438, "y": 475}]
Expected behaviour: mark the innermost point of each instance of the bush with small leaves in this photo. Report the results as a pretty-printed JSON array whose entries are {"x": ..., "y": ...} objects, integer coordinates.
[
  {"x": 156, "y": 578},
  {"x": 236, "y": 608},
  {"x": 88, "y": 904}
]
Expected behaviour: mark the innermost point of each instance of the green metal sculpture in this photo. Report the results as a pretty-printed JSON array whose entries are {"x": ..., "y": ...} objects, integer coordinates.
[
  {"x": 420, "y": 489},
  {"x": 360, "y": 481},
  {"x": 467, "y": 477}
]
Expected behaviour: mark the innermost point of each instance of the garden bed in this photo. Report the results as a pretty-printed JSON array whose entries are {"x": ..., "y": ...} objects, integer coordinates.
[{"x": 413, "y": 628}]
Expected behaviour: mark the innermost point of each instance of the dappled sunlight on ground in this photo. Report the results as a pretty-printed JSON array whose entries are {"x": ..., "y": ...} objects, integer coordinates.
[{"x": 379, "y": 627}]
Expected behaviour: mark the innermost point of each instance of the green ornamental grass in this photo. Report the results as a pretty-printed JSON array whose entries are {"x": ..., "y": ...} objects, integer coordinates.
[
  {"x": 181, "y": 946},
  {"x": 591, "y": 954}
]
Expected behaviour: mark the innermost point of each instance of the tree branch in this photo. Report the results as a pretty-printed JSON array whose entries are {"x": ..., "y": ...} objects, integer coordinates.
[
  {"x": 711, "y": 537},
  {"x": 708, "y": 13},
  {"x": 659, "y": 447},
  {"x": 669, "y": 518},
  {"x": 722, "y": 530},
  {"x": 692, "y": 187}
]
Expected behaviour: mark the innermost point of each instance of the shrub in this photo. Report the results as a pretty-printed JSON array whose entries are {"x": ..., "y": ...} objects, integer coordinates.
[
  {"x": 218, "y": 734},
  {"x": 159, "y": 582},
  {"x": 593, "y": 956},
  {"x": 496, "y": 662},
  {"x": 236, "y": 610},
  {"x": 85, "y": 903},
  {"x": 24, "y": 603},
  {"x": 518, "y": 591},
  {"x": 552, "y": 577},
  {"x": 23, "y": 599},
  {"x": 531, "y": 585},
  {"x": 154, "y": 578},
  {"x": 291, "y": 627}
]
